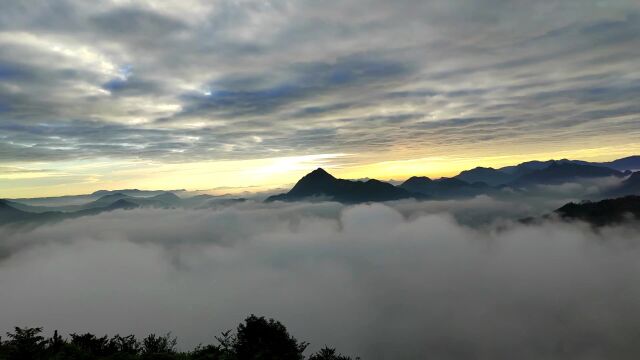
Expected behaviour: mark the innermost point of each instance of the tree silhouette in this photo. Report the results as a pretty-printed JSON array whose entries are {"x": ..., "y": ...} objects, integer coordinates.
[
  {"x": 93, "y": 345},
  {"x": 158, "y": 346},
  {"x": 25, "y": 344},
  {"x": 261, "y": 339},
  {"x": 256, "y": 338},
  {"x": 328, "y": 353}
]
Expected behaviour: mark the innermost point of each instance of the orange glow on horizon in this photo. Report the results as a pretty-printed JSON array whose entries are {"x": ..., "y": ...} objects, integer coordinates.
[{"x": 260, "y": 174}]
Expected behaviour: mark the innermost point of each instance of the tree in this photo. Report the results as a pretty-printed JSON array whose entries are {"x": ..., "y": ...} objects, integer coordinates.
[
  {"x": 25, "y": 344},
  {"x": 261, "y": 339},
  {"x": 328, "y": 353},
  {"x": 254, "y": 339},
  {"x": 158, "y": 346},
  {"x": 92, "y": 345},
  {"x": 54, "y": 345},
  {"x": 125, "y": 344}
]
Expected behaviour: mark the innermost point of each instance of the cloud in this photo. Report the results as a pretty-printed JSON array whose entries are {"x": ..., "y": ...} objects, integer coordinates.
[
  {"x": 462, "y": 78},
  {"x": 127, "y": 23},
  {"x": 264, "y": 93},
  {"x": 368, "y": 279}
]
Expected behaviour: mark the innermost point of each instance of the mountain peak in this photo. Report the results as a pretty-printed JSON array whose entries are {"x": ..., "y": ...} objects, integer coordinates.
[
  {"x": 120, "y": 191},
  {"x": 418, "y": 179},
  {"x": 316, "y": 182},
  {"x": 319, "y": 173},
  {"x": 321, "y": 184}
]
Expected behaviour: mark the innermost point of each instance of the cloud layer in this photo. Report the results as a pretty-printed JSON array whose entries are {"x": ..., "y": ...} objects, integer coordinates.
[
  {"x": 369, "y": 279},
  {"x": 241, "y": 79}
]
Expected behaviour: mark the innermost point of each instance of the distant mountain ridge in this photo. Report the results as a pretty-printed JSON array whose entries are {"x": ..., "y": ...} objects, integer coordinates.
[
  {"x": 12, "y": 215},
  {"x": 134, "y": 192},
  {"x": 14, "y": 211},
  {"x": 520, "y": 174},
  {"x": 631, "y": 163},
  {"x": 561, "y": 172},
  {"x": 320, "y": 185}
]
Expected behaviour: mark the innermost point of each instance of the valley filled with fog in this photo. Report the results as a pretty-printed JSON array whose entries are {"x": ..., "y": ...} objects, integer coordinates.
[{"x": 449, "y": 278}]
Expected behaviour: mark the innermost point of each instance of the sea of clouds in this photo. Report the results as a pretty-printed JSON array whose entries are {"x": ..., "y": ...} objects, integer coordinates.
[{"x": 403, "y": 280}]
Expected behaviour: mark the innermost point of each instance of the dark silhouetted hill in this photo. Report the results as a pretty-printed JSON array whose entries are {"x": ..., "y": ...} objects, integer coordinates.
[
  {"x": 444, "y": 187},
  {"x": 527, "y": 167},
  {"x": 604, "y": 212},
  {"x": 487, "y": 175},
  {"x": 322, "y": 185}
]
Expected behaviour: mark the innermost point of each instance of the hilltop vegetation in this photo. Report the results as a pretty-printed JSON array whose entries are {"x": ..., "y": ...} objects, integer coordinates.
[{"x": 255, "y": 339}]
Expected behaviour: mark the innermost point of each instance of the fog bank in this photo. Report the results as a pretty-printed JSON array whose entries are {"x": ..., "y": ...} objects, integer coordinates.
[{"x": 404, "y": 280}]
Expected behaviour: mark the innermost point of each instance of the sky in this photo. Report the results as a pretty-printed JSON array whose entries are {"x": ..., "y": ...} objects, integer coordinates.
[{"x": 233, "y": 94}]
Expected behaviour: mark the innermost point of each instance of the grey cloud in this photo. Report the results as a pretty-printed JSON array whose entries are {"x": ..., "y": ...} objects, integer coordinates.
[
  {"x": 279, "y": 69},
  {"x": 253, "y": 94},
  {"x": 125, "y": 23}
]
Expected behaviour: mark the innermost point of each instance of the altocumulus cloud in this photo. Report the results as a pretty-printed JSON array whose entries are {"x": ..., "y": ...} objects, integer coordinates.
[{"x": 369, "y": 279}]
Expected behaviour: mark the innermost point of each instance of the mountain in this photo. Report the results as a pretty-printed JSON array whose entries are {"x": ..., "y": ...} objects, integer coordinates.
[
  {"x": 562, "y": 172},
  {"x": 123, "y": 204},
  {"x": 628, "y": 163},
  {"x": 321, "y": 184},
  {"x": 11, "y": 215},
  {"x": 630, "y": 186},
  {"x": 507, "y": 174},
  {"x": 487, "y": 175},
  {"x": 163, "y": 200},
  {"x": 27, "y": 208},
  {"x": 444, "y": 187},
  {"x": 134, "y": 192},
  {"x": 105, "y": 200},
  {"x": 168, "y": 198},
  {"x": 602, "y": 213},
  {"x": 525, "y": 167},
  {"x": 530, "y": 166},
  {"x": 416, "y": 183}
]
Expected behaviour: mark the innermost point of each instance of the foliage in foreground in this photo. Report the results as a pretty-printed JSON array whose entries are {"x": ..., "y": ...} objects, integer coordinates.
[{"x": 255, "y": 339}]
